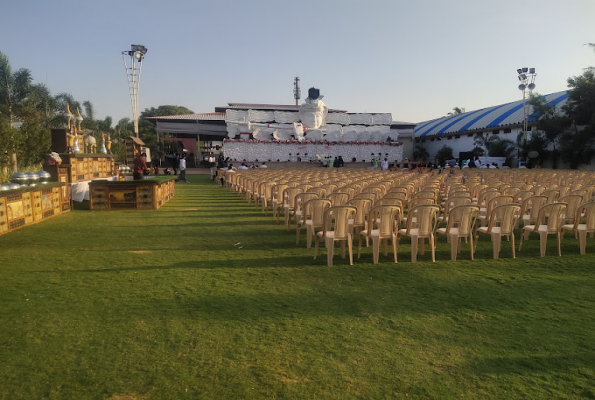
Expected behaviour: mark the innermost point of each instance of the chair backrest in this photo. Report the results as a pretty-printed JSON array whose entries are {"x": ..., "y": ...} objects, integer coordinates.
[
  {"x": 363, "y": 207},
  {"x": 531, "y": 205},
  {"x": 367, "y": 195},
  {"x": 418, "y": 202},
  {"x": 522, "y": 195},
  {"x": 425, "y": 194},
  {"x": 314, "y": 210},
  {"x": 389, "y": 201},
  {"x": 459, "y": 193},
  {"x": 319, "y": 190},
  {"x": 338, "y": 199},
  {"x": 385, "y": 219},
  {"x": 337, "y": 218},
  {"x": 504, "y": 217},
  {"x": 573, "y": 202},
  {"x": 589, "y": 209},
  {"x": 463, "y": 217},
  {"x": 453, "y": 202},
  {"x": 551, "y": 215},
  {"x": 278, "y": 191},
  {"x": 551, "y": 194},
  {"x": 301, "y": 199},
  {"x": 427, "y": 219},
  {"x": 498, "y": 201},
  {"x": 346, "y": 189},
  {"x": 396, "y": 195},
  {"x": 486, "y": 196},
  {"x": 290, "y": 194}
]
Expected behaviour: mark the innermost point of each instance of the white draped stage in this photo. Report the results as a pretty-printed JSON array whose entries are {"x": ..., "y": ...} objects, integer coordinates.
[{"x": 291, "y": 150}]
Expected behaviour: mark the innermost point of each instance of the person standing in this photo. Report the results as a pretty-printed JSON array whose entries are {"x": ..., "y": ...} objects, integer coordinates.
[
  {"x": 140, "y": 167},
  {"x": 182, "y": 176},
  {"x": 384, "y": 164}
]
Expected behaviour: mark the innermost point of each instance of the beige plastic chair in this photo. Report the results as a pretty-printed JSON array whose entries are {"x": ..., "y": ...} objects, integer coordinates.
[
  {"x": 461, "y": 221},
  {"x": 502, "y": 220},
  {"x": 336, "y": 229},
  {"x": 580, "y": 228},
  {"x": 289, "y": 203},
  {"x": 313, "y": 212},
  {"x": 363, "y": 208},
  {"x": 530, "y": 209},
  {"x": 382, "y": 226},
  {"x": 549, "y": 222},
  {"x": 573, "y": 202},
  {"x": 551, "y": 194},
  {"x": 338, "y": 199},
  {"x": 494, "y": 202},
  {"x": 300, "y": 218},
  {"x": 277, "y": 198},
  {"x": 426, "y": 217}
]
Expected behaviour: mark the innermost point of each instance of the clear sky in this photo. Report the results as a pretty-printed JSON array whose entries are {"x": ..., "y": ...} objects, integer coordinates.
[{"x": 415, "y": 59}]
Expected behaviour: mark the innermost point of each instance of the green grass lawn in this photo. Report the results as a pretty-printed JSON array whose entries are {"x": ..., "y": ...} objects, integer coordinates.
[{"x": 167, "y": 304}]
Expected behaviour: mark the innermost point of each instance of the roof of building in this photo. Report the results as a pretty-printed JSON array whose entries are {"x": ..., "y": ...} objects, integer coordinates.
[
  {"x": 216, "y": 116},
  {"x": 487, "y": 118}
]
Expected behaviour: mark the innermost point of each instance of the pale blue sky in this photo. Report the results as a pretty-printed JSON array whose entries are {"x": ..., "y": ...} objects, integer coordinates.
[{"x": 414, "y": 59}]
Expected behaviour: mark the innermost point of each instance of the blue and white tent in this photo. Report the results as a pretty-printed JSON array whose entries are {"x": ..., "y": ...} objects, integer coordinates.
[{"x": 504, "y": 115}]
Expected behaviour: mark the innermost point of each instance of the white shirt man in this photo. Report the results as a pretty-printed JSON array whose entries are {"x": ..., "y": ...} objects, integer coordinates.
[
  {"x": 263, "y": 166},
  {"x": 384, "y": 164},
  {"x": 242, "y": 167}
]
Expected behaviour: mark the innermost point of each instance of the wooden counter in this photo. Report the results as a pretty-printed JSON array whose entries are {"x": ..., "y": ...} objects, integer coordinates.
[
  {"x": 145, "y": 194},
  {"x": 30, "y": 205}
]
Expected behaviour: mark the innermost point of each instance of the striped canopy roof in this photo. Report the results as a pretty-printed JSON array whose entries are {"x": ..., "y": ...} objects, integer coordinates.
[{"x": 486, "y": 118}]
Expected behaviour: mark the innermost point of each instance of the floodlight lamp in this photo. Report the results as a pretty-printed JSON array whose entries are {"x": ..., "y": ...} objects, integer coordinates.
[
  {"x": 525, "y": 69},
  {"x": 523, "y": 76},
  {"x": 531, "y": 86},
  {"x": 138, "y": 55},
  {"x": 519, "y": 71},
  {"x": 520, "y": 79},
  {"x": 531, "y": 70},
  {"x": 522, "y": 87}
]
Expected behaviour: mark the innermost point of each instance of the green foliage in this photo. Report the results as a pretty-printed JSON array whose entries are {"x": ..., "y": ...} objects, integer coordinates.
[
  {"x": 493, "y": 145},
  {"x": 444, "y": 154},
  {"x": 576, "y": 146},
  {"x": 146, "y": 129},
  {"x": 456, "y": 111},
  {"x": 420, "y": 153}
]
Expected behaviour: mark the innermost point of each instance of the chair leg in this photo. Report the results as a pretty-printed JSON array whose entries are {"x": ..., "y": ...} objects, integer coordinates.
[
  {"x": 422, "y": 246},
  {"x": 309, "y": 234},
  {"x": 522, "y": 238},
  {"x": 512, "y": 240},
  {"x": 298, "y": 230},
  {"x": 330, "y": 247},
  {"x": 414, "y": 241},
  {"x": 472, "y": 249},
  {"x": 433, "y": 246},
  {"x": 350, "y": 248},
  {"x": 560, "y": 243},
  {"x": 395, "y": 246},
  {"x": 343, "y": 249},
  {"x": 315, "y": 248},
  {"x": 375, "y": 249},
  {"x": 496, "y": 239},
  {"x": 582, "y": 241},
  {"x": 542, "y": 243},
  {"x": 454, "y": 244},
  {"x": 385, "y": 247},
  {"x": 359, "y": 246}
]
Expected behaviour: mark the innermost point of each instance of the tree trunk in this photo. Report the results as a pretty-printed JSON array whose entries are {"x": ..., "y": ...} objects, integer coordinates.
[{"x": 13, "y": 161}]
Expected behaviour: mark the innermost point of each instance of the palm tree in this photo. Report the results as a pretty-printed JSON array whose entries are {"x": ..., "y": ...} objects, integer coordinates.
[
  {"x": 14, "y": 92},
  {"x": 456, "y": 111}
]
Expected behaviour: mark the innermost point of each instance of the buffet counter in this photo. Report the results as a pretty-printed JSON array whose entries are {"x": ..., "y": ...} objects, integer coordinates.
[
  {"x": 31, "y": 204},
  {"x": 144, "y": 194}
]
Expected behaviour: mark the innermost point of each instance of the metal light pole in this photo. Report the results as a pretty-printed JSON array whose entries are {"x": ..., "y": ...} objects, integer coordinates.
[
  {"x": 137, "y": 54},
  {"x": 527, "y": 79}
]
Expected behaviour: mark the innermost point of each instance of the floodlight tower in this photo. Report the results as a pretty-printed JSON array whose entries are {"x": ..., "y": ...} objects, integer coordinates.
[
  {"x": 297, "y": 92},
  {"x": 137, "y": 54},
  {"x": 527, "y": 79}
]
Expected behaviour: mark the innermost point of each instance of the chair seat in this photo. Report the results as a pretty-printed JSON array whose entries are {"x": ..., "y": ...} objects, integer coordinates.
[
  {"x": 453, "y": 231},
  {"x": 412, "y": 232},
  {"x": 542, "y": 228}
]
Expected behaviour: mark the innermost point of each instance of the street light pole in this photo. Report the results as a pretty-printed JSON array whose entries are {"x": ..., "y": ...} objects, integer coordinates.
[
  {"x": 527, "y": 79},
  {"x": 137, "y": 54}
]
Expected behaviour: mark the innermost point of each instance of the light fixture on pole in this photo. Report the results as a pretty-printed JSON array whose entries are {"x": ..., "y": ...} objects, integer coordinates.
[
  {"x": 527, "y": 79},
  {"x": 137, "y": 55}
]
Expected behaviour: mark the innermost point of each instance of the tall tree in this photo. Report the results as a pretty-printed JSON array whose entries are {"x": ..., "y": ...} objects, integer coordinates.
[
  {"x": 14, "y": 91},
  {"x": 551, "y": 124}
]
